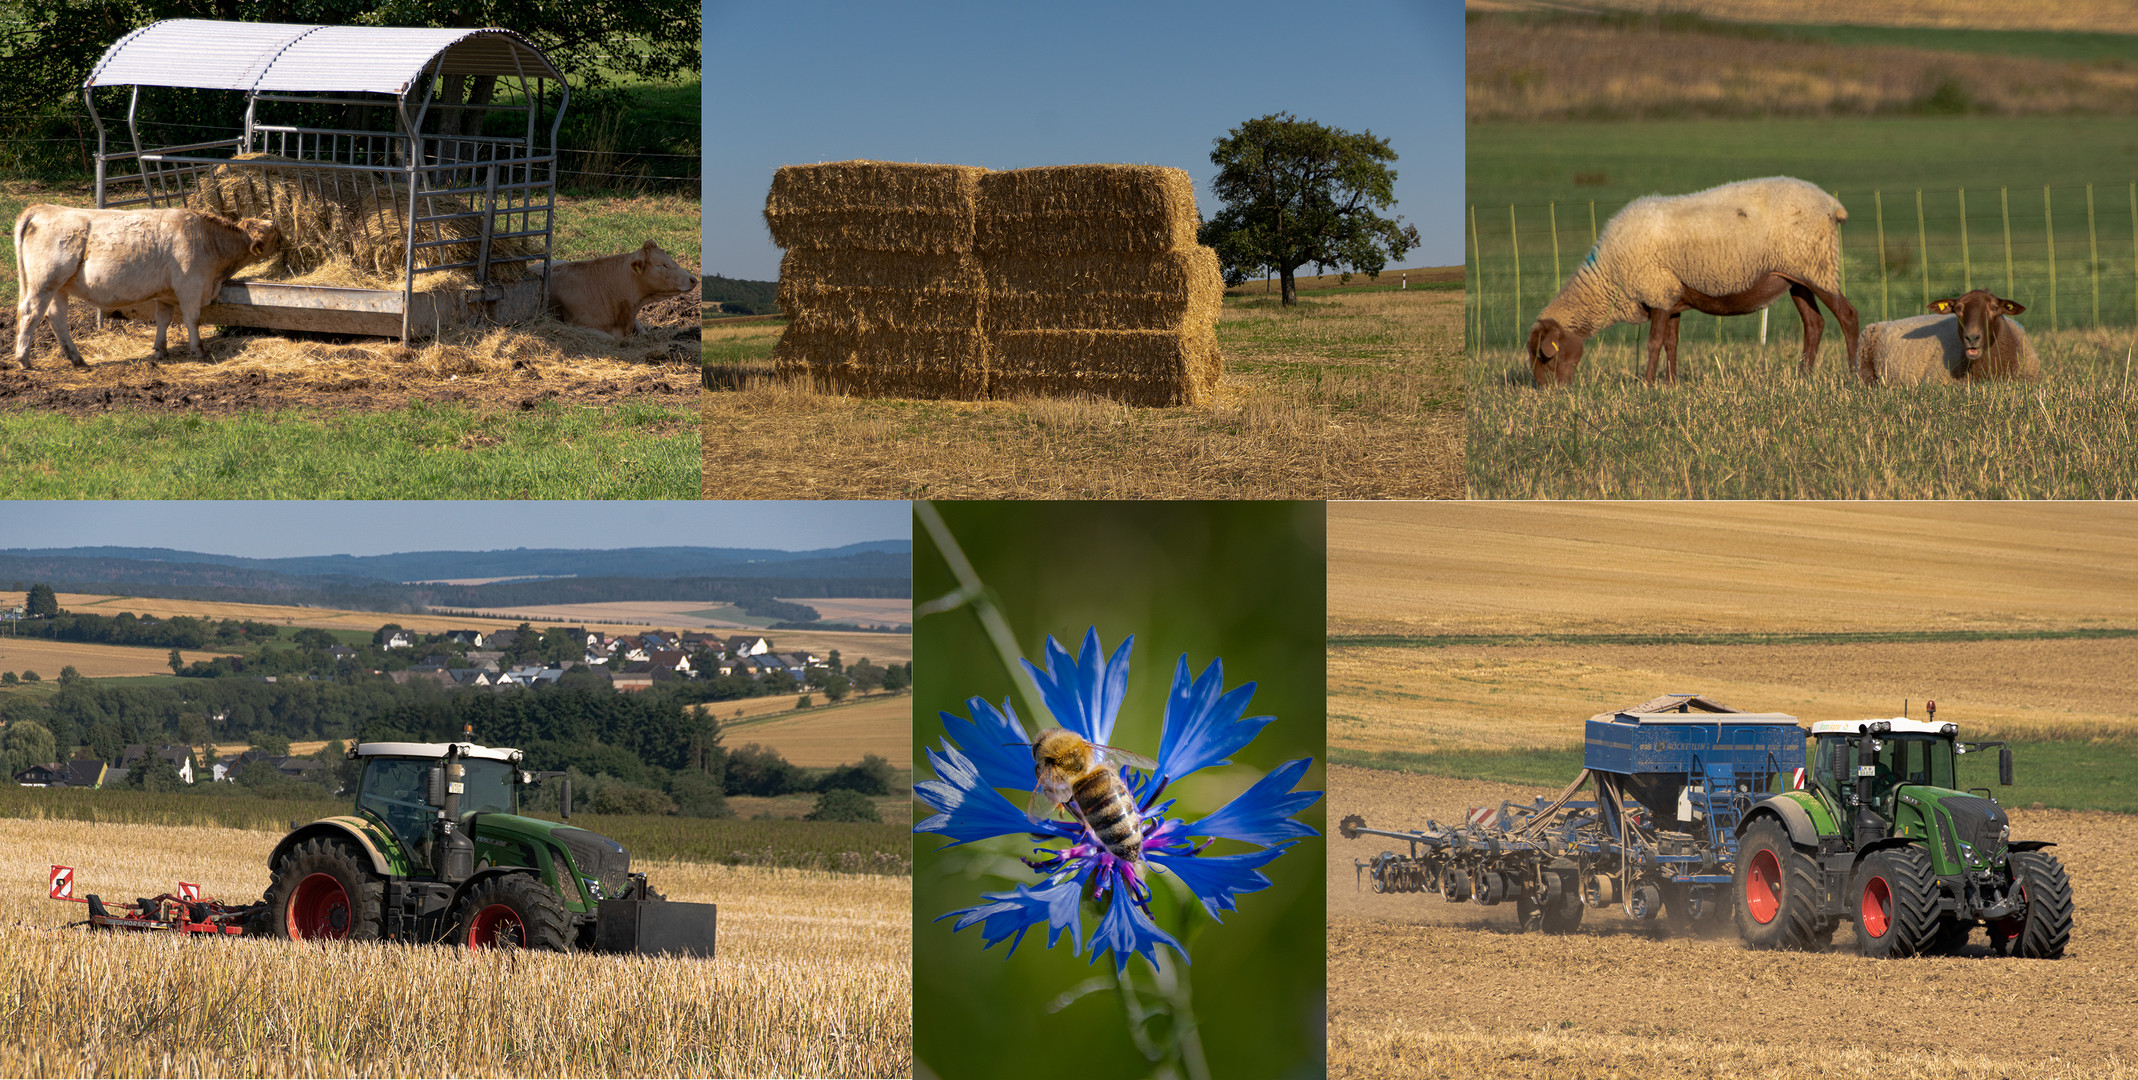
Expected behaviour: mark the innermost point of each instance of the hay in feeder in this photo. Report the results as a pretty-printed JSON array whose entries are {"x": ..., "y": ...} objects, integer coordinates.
[
  {"x": 859, "y": 290},
  {"x": 1115, "y": 290},
  {"x": 1138, "y": 367},
  {"x": 875, "y": 206},
  {"x": 1067, "y": 209},
  {"x": 888, "y": 362},
  {"x": 351, "y": 228}
]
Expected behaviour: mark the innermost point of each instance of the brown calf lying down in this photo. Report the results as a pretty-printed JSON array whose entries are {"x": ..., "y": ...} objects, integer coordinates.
[
  {"x": 605, "y": 294},
  {"x": 128, "y": 260}
]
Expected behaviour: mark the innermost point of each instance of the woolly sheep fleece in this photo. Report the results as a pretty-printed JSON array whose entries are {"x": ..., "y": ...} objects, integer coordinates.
[
  {"x": 1925, "y": 349},
  {"x": 1719, "y": 241}
]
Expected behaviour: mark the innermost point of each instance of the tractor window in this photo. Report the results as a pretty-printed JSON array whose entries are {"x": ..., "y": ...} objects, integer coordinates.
[
  {"x": 395, "y": 790},
  {"x": 1914, "y": 759},
  {"x": 488, "y": 788},
  {"x": 1831, "y": 769}
]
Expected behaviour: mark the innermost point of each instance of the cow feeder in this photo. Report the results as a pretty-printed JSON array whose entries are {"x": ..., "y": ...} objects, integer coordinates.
[{"x": 394, "y": 128}]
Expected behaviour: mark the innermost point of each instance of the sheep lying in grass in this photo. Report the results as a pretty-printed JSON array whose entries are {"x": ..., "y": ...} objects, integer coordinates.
[
  {"x": 1969, "y": 337},
  {"x": 1729, "y": 250}
]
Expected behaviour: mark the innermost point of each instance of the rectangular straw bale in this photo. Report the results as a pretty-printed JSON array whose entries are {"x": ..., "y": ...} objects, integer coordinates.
[
  {"x": 1105, "y": 291},
  {"x": 1137, "y": 367},
  {"x": 1065, "y": 209},
  {"x": 874, "y": 205},
  {"x": 857, "y": 290},
  {"x": 889, "y": 363}
]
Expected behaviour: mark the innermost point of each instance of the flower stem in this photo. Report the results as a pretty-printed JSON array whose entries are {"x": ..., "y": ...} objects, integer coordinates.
[
  {"x": 1187, "y": 1037},
  {"x": 974, "y": 593}
]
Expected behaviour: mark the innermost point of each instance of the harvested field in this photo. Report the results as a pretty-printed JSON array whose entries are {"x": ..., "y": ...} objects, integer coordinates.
[
  {"x": 831, "y": 734},
  {"x": 1422, "y": 988},
  {"x": 813, "y": 978},
  {"x": 46, "y": 658},
  {"x": 2091, "y": 16},
  {"x": 700, "y": 615},
  {"x": 1729, "y": 567},
  {"x": 1349, "y": 395}
]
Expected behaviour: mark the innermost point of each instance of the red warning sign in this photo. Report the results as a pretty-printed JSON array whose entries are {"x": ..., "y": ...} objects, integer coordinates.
[
  {"x": 189, "y": 892},
  {"x": 62, "y": 883}
]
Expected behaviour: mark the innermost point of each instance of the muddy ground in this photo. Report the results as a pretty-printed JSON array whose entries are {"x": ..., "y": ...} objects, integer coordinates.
[
  {"x": 1404, "y": 964},
  {"x": 248, "y": 370}
]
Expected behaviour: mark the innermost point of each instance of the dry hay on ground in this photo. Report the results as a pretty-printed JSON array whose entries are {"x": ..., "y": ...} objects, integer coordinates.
[
  {"x": 1420, "y": 987},
  {"x": 813, "y": 978},
  {"x": 518, "y": 366},
  {"x": 2088, "y": 16},
  {"x": 351, "y": 229},
  {"x": 46, "y": 658},
  {"x": 887, "y": 300}
]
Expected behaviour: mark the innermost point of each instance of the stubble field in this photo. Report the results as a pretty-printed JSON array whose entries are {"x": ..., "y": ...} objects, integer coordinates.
[
  {"x": 1422, "y": 988},
  {"x": 813, "y": 979},
  {"x": 1354, "y": 393},
  {"x": 46, "y": 658}
]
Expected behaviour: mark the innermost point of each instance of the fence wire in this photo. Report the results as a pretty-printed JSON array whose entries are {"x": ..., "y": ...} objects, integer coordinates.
[{"x": 2069, "y": 254}]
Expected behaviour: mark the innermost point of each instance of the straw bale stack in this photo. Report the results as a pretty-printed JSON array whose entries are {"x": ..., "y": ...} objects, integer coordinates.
[
  {"x": 955, "y": 282},
  {"x": 345, "y": 228}
]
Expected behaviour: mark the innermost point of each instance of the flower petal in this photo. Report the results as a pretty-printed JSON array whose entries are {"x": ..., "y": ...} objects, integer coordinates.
[
  {"x": 1019, "y": 911},
  {"x": 1217, "y": 879},
  {"x": 1203, "y": 725},
  {"x": 1126, "y": 929},
  {"x": 1263, "y": 813},
  {"x": 1084, "y": 694},
  {"x": 995, "y": 742},
  {"x": 967, "y": 808}
]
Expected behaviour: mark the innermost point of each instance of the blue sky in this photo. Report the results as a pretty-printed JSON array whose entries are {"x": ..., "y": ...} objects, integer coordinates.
[
  {"x": 1009, "y": 85},
  {"x": 268, "y": 530}
]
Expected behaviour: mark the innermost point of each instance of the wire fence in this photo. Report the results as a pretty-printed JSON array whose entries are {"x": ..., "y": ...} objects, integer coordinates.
[{"x": 2069, "y": 254}]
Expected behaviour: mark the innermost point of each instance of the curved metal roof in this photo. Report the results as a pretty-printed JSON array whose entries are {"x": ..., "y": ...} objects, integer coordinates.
[{"x": 297, "y": 57}]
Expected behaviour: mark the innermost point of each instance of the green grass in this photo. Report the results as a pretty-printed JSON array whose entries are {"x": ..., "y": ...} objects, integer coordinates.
[
  {"x": 1742, "y": 423},
  {"x": 629, "y": 450},
  {"x": 2099, "y": 774},
  {"x": 852, "y": 847},
  {"x": 1888, "y": 637}
]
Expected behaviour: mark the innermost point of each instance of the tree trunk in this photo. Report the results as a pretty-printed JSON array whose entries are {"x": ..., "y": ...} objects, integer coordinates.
[{"x": 1291, "y": 289}]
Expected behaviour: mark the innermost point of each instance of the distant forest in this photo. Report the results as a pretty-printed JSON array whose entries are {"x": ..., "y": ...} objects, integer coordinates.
[{"x": 742, "y": 297}]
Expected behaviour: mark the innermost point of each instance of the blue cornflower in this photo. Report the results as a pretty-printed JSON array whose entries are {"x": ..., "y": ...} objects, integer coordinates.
[{"x": 1204, "y": 725}]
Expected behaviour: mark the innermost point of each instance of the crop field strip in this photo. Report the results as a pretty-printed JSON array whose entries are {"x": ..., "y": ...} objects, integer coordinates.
[
  {"x": 813, "y": 978},
  {"x": 1584, "y": 1005}
]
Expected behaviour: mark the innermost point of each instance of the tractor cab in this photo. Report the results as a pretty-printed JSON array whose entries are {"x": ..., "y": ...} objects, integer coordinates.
[
  {"x": 415, "y": 788},
  {"x": 1895, "y": 777}
]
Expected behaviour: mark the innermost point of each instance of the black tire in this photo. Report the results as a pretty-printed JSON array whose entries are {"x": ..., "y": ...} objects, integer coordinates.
[
  {"x": 512, "y": 911},
  {"x": 1895, "y": 903},
  {"x": 1782, "y": 910},
  {"x": 1949, "y": 939},
  {"x": 324, "y": 889},
  {"x": 1564, "y": 917},
  {"x": 1687, "y": 916},
  {"x": 2043, "y": 929}
]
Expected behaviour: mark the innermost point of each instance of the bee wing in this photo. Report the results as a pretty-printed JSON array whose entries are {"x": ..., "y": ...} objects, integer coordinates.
[
  {"x": 1041, "y": 807},
  {"x": 1119, "y": 757}
]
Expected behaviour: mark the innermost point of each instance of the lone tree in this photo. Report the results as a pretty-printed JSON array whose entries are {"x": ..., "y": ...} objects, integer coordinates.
[
  {"x": 40, "y": 602},
  {"x": 1298, "y": 192}
]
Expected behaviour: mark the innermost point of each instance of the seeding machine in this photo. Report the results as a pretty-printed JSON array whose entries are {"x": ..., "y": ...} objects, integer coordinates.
[
  {"x": 436, "y": 850},
  {"x": 1701, "y": 810}
]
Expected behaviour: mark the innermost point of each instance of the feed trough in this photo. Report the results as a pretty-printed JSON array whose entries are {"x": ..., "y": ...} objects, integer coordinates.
[{"x": 382, "y": 152}]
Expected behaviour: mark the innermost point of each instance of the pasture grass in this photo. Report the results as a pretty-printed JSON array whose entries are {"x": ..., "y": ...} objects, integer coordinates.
[
  {"x": 1743, "y": 424},
  {"x": 1349, "y": 394},
  {"x": 628, "y": 450}
]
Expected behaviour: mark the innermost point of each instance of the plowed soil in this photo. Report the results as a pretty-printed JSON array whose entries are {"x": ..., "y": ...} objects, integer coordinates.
[{"x": 1421, "y": 987}]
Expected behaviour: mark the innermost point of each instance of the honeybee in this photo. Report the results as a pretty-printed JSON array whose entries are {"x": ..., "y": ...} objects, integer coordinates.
[{"x": 1085, "y": 779}]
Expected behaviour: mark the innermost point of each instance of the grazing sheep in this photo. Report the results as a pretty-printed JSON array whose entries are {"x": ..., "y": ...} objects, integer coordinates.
[
  {"x": 1729, "y": 250},
  {"x": 1971, "y": 337}
]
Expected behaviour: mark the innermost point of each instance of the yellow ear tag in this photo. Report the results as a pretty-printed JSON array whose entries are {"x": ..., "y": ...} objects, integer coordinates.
[{"x": 1551, "y": 348}]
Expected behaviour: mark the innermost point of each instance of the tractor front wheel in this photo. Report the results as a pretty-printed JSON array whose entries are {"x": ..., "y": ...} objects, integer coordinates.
[
  {"x": 324, "y": 890},
  {"x": 2043, "y": 928},
  {"x": 1896, "y": 903},
  {"x": 513, "y": 911},
  {"x": 1776, "y": 889}
]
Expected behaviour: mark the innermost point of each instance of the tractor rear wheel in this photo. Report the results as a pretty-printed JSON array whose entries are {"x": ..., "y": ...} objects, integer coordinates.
[
  {"x": 2043, "y": 928},
  {"x": 511, "y": 911},
  {"x": 324, "y": 890},
  {"x": 1896, "y": 903},
  {"x": 1776, "y": 890}
]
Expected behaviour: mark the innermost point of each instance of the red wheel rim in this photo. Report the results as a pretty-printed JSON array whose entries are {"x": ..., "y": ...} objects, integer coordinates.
[
  {"x": 496, "y": 925},
  {"x": 1877, "y": 913},
  {"x": 1763, "y": 887},
  {"x": 319, "y": 909}
]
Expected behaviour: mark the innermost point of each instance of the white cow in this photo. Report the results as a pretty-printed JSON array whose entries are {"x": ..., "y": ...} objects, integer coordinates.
[{"x": 128, "y": 260}]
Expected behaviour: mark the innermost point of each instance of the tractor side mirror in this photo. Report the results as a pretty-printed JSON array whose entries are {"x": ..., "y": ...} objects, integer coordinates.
[
  {"x": 564, "y": 798},
  {"x": 434, "y": 786},
  {"x": 2004, "y": 765}
]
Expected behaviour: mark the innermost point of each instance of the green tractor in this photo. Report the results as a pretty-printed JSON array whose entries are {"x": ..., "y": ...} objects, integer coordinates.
[
  {"x": 1883, "y": 834},
  {"x": 437, "y": 850}
]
